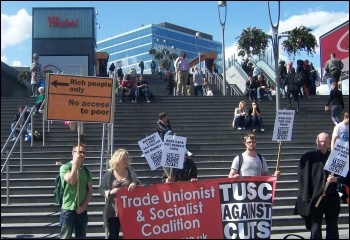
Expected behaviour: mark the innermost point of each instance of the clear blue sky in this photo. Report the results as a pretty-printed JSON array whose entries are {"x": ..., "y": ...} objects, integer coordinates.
[{"x": 118, "y": 17}]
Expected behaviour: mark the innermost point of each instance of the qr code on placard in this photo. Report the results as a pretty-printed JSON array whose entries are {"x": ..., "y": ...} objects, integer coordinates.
[
  {"x": 156, "y": 158},
  {"x": 172, "y": 159}
]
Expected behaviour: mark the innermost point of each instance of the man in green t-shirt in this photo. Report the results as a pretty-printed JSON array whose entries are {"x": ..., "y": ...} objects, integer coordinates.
[{"x": 77, "y": 181}]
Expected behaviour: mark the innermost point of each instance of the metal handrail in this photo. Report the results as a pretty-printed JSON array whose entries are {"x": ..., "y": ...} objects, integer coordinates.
[
  {"x": 219, "y": 83},
  {"x": 14, "y": 129},
  {"x": 20, "y": 135},
  {"x": 7, "y": 161}
]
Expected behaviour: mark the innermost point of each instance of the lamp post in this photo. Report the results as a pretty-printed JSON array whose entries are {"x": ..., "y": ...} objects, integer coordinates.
[
  {"x": 275, "y": 40},
  {"x": 173, "y": 51},
  {"x": 198, "y": 35},
  {"x": 223, "y": 4}
]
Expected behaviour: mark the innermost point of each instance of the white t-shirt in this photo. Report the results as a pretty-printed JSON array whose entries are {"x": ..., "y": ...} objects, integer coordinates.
[
  {"x": 250, "y": 166},
  {"x": 341, "y": 130}
]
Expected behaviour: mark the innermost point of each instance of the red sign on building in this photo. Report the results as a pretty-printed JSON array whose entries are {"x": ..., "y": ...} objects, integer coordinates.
[
  {"x": 221, "y": 208},
  {"x": 55, "y": 21}
]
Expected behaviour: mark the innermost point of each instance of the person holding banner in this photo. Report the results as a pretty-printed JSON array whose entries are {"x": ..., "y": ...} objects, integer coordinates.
[
  {"x": 312, "y": 180},
  {"x": 187, "y": 173},
  {"x": 164, "y": 128},
  {"x": 120, "y": 174},
  {"x": 251, "y": 163}
]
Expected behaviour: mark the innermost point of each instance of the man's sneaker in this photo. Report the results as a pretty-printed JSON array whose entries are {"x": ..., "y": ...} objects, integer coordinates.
[
  {"x": 132, "y": 101},
  {"x": 121, "y": 100},
  {"x": 262, "y": 130},
  {"x": 143, "y": 155},
  {"x": 189, "y": 153},
  {"x": 243, "y": 128},
  {"x": 254, "y": 130},
  {"x": 13, "y": 139},
  {"x": 148, "y": 100},
  {"x": 41, "y": 111},
  {"x": 239, "y": 128}
]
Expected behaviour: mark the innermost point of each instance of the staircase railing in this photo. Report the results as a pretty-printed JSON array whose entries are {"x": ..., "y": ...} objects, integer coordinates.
[
  {"x": 215, "y": 79},
  {"x": 20, "y": 138}
]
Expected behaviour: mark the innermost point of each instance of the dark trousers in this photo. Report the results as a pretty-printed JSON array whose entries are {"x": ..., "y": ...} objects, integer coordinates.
[
  {"x": 132, "y": 93},
  {"x": 113, "y": 228},
  {"x": 71, "y": 221},
  {"x": 335, "y": 75},
  {"x": 197, "y": 89},
  {"x": 330, "y": 207},
  {"x": 295, "y": 94}
]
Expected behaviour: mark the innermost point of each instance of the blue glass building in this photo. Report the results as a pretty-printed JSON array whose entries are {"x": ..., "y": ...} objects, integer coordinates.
[{"x": 127, "y": 49}]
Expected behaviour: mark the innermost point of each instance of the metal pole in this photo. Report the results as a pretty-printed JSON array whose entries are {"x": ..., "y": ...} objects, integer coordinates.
[
  {"x": 275, "y": 44},
  {"x": 21, "y": 151},
  {"x": 223, "y": 62},
  {"x": 223, "y": 4},
  {"x": 7, "y": 183}
]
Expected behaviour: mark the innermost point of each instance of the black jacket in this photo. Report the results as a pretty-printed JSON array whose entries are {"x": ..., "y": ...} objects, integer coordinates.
[
  {"x": 17, "y": 116},
  {"x": 336, "y": 97},
  {"x": 162, "y": 128},
  {"x": 290, "y": 82},
  {"x": 188, "y": 171},
  {"x": 312, "y": 179}
]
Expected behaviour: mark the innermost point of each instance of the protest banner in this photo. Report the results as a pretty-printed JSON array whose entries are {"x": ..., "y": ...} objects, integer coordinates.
[
  {"x": 338, "y": 160},
  {"x": 152, "y": 146},
  {"x": 219, "y": 208},
  {"x": 283, "y": 126},
  {"x": 173, "y": 153}
]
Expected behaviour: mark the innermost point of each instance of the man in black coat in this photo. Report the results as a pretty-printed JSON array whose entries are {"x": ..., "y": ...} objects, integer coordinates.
[{"x": 312, "y": 181}]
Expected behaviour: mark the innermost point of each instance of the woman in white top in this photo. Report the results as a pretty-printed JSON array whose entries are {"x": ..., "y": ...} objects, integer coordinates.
[{"x": 241, "y": 118}]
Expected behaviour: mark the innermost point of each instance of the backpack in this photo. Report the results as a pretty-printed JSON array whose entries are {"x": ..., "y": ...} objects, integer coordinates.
[
  {"x": 240, "y": 157},
  {"x": 60, "y": 186},
  {"x": 300, "y": 79}
]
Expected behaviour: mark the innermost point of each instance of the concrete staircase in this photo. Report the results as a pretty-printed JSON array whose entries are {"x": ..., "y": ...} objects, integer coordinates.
[{"x": 205, "y": 121}]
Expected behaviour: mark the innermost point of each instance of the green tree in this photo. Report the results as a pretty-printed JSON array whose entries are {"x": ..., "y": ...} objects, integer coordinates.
[
  {"x": 300, "y": 39},
  {"x": 254, "y": 41}
]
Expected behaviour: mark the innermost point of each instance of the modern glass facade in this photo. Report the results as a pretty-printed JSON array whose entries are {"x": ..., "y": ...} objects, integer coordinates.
[{"x": 127, "y": 49}]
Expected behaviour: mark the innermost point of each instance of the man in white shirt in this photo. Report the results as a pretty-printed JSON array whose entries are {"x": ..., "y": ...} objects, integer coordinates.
[
  {"x": 252, "y": 163},
  {"x": 182, "y": 67}
]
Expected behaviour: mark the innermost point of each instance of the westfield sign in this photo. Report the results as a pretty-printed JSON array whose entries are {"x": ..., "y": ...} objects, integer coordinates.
[{"x": 55, "y": 21}]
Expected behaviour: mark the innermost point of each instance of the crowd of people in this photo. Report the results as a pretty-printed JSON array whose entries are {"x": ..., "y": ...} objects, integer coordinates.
[{"x": 311, "y": 173}]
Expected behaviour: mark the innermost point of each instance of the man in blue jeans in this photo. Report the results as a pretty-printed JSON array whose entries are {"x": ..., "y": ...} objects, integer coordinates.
[{"x": 77, "y": 182}]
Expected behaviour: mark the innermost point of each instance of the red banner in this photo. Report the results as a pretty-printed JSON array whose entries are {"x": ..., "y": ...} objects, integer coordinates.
[
  {"x": 336, "y": 42},
  {"x": 221, "y": 208}
]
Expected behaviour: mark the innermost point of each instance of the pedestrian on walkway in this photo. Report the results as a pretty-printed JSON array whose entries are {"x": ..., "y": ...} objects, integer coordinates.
[{"x": 336, "y": 97}]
